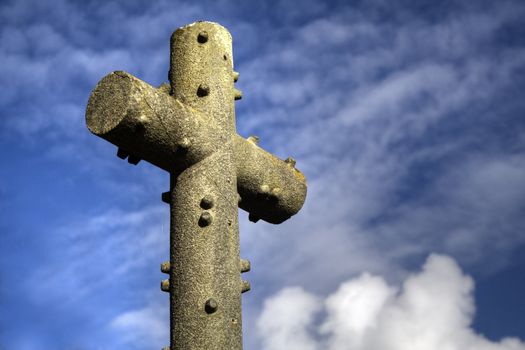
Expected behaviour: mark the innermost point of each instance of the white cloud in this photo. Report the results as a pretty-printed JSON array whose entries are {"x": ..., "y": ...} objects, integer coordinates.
[
  {"x": 433, "y": 310},
  {"x": 355, "y": 307},
  {"x": 287, "y": 323}
]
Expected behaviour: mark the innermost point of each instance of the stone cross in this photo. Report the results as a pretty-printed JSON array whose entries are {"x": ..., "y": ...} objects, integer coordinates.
[{"x": 188, "y": 129}]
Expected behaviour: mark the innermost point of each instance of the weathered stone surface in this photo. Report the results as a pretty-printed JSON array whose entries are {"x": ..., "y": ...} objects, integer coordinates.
[{"x": 188, "y": 129}]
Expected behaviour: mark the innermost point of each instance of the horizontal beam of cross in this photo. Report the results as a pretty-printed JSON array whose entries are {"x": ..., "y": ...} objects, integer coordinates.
[{"x": 148, "y": 123}]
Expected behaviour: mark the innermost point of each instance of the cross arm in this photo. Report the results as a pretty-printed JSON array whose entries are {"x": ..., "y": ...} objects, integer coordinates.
[
  {"x": 150, "y": 124},
  {"x": 270, "y": 189},
  {"x": 147, "y": 122}
]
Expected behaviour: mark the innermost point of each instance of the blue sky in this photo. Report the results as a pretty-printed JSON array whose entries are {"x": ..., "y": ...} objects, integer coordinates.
[{"x": 406, "y": 117}]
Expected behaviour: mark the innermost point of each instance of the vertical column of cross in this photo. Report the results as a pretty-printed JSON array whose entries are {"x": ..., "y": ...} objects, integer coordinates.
[{"x": 204, "y": 285}]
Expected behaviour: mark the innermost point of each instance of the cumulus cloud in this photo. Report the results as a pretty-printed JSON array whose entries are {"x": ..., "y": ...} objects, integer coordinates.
[
  {"x": 432, "y": 310},
  {"x": 287, "y": 323}
]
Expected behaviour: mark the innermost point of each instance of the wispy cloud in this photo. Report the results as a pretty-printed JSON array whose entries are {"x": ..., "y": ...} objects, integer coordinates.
[
  {"x": 145, "y": 327},
  {"x": 102, "y": 252},
  {"x": 378, "y": 134}
]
